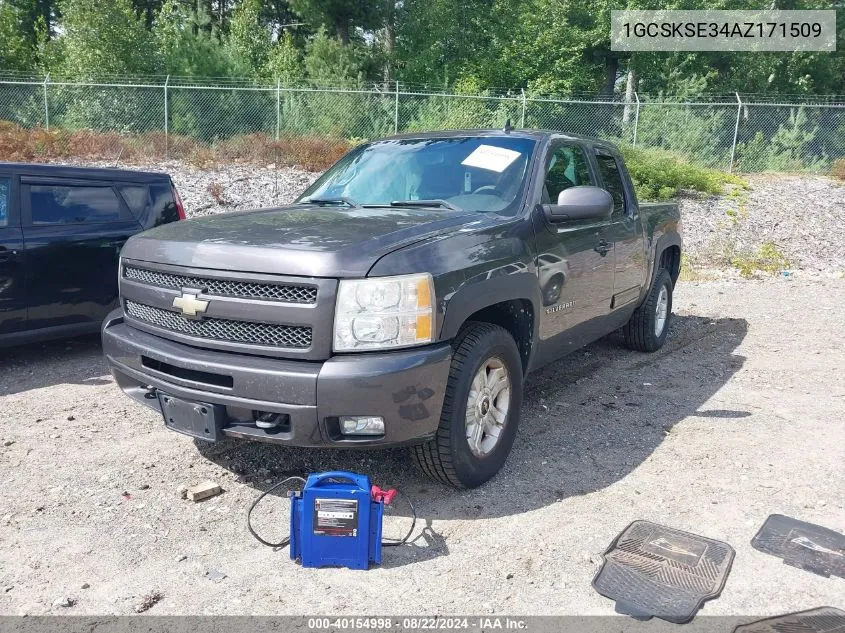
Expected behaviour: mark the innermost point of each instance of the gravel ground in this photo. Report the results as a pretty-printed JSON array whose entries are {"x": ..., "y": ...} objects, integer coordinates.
[
  {"x": 739, "y": 416},
  {"x": 796, "y": 213}
]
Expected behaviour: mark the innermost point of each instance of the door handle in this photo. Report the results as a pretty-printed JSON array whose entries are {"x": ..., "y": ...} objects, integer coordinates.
[{"x": 603, "y": 247}]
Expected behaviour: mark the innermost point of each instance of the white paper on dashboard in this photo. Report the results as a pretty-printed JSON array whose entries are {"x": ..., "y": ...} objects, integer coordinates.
[{"x": 491, "y": 158}]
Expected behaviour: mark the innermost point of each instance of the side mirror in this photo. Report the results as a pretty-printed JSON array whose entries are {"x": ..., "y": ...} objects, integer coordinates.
[{"x": 580, "y": 203}]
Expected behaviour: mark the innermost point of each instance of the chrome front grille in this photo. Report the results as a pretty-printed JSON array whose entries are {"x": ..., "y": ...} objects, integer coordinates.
[
  {"x": 287, "y": 293},
  {"x": 272, "y": 335}
]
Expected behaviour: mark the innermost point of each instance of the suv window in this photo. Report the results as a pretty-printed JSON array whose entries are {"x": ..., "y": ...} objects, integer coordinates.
[
  {"x": 137, "y": 198},
  {"x": 612, "y": 180},
  {"x": 567, "y": 168},
  {"x": 5, "y": 186},
  {"x": 153, "y": 204},
  {"x": 73, "y": 204}
]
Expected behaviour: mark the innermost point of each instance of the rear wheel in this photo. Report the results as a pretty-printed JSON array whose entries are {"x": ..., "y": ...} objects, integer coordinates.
[
  {"x": 648, "y": 327},
  {"x": 480, "y": 410}
]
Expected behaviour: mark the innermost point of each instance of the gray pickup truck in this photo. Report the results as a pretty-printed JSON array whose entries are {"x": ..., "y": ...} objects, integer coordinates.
[{"x": 401, "y": 300}]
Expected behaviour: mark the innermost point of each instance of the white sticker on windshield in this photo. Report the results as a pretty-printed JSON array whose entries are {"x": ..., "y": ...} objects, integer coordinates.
[{"x": 491, "y": 158}]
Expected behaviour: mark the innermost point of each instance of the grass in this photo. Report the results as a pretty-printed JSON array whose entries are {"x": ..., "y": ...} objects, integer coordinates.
[
  {"x": 837, "y": 169},
  {"x": 768, "y": 258},
  {"x": 314, "y": 153}
]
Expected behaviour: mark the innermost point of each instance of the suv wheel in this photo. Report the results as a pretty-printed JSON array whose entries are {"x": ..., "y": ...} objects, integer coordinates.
[
  {"x": 480, "y": 410},
  {"x": 647, "y": 329}
]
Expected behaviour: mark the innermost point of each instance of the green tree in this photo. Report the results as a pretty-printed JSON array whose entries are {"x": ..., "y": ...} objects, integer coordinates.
[
  {"x": 249, "y": 39},
  {"x": 341, "y": 16},
  {"x": 16, "y": 53},
  {"x": 438, "y": 41},
  {"x": 277, "y": 14},
  {"x": 284, "y": 62},
  {"x": 147, "y": 9},
  {"x": 329, "y": 62},
  {"x": 31, "y": 12},
  {"x": 104, "y": 38},
  {"x": 188, "y": 43}
]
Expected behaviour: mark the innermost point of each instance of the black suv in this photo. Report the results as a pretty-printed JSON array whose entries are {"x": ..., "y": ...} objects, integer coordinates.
[{"x": 61, "y": 231}]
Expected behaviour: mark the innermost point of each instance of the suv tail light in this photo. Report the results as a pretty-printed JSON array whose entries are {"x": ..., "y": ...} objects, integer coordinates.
[{"x": 180, "y": 208}]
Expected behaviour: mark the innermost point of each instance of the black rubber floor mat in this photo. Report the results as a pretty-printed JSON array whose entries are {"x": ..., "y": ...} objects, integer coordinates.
[
  {"x": 652, "y": 570},
  {"x": 804, "y": 545},
  {"x": 820, "y": 620}
]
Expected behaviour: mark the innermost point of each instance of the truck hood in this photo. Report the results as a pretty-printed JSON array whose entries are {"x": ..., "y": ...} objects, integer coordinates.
[{"x": 300, "y": 240}]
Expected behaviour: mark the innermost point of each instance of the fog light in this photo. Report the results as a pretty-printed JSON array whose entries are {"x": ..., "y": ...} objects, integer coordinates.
[{"x": 361, "y": 425}]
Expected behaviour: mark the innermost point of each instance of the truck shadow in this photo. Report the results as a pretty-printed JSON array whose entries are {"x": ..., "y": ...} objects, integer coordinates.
[{"x": 587, "y": 422}]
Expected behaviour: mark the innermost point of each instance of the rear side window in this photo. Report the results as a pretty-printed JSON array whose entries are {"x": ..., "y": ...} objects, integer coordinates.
[
  {"x": 137, "y": 198},
  {"x": 5, "y": 187},
  {"x": 152, "y": 204},
  {"x": 612, "y": 180},
  {"x": 72, "y": 204}
]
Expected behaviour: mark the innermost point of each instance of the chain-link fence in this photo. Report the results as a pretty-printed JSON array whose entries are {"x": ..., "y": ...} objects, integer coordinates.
[{"x": 157, "y": 118}]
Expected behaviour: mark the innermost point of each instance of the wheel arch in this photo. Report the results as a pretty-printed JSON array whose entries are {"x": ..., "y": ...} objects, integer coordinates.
[
  {"x": 667, "y": 253},
  {"x": 503, "y": 302}
]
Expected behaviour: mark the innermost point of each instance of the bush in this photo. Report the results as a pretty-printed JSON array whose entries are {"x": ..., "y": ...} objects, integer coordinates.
[
  {"x": 660, "y": 174},
  {"x": 314, "y": 153},
  {"x": 837, "y": 170}
]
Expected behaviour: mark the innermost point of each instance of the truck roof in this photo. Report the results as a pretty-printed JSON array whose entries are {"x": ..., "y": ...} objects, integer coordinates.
[
  {"x": 92, "y": 173},
  {"x": 519, "y": 133}
]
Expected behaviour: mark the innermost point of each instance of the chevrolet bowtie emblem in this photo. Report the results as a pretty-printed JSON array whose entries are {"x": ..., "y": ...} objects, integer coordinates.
[{"x": 189, "y": 304}]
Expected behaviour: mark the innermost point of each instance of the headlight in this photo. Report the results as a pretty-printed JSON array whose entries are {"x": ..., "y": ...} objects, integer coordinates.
[{"x": 384, "y": 312}]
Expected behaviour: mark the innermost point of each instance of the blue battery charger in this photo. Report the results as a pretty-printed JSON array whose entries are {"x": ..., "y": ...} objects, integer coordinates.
[{"x": 335, "y": 521}]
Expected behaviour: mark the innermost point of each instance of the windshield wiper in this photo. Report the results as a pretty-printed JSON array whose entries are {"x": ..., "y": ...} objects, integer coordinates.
[
  {"x": 349, "y": 202},
  {"x": 425, "y": 203}
]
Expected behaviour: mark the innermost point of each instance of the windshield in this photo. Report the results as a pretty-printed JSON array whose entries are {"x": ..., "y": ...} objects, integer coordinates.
[{"x": 468, "y": 173}]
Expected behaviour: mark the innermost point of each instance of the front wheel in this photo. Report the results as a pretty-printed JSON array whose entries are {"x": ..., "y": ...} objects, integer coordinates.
[
  {"x": 480, "y": 410},
  {"x": 647, "y": 329}
]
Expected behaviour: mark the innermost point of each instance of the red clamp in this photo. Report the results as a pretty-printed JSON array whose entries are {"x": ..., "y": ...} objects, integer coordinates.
[{"x": 382, "y": 495}]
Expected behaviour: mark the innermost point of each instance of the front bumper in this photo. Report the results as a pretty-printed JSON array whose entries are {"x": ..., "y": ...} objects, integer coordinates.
[{"x": 405, "y": 387}]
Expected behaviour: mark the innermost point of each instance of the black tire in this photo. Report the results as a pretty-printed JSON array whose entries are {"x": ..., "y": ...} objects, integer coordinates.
[
  {"x": 640, "y": 332},
  {"x": 448, "y": 458}
]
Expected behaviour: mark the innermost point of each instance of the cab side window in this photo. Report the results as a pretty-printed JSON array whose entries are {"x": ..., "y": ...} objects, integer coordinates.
[
  {"x": 567, "y": 167},
  {"x": 5, "y": 187},
  {"x": 612, "y": 181}
]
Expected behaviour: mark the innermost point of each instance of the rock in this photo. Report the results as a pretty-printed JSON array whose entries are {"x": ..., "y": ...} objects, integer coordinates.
[
  {"x": 144, "y": 487},
  {"x": 8, "y": 588},
  {"x": 204, "y": 490},
  {"x": 149, "y": 601},
  {"x": 215, "y": 575},
  {"x": 8, "y": 442},
  {"x": 55, "y": 436},
  {"x": 182, "y": 490},
  {"x": 181, "y": 558},
  {"x": 85, "y": 585},
  {"x": 70, "y": 418},
  {"x": 64, "y": 602},
  {"x": 509, "y": 576}
]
